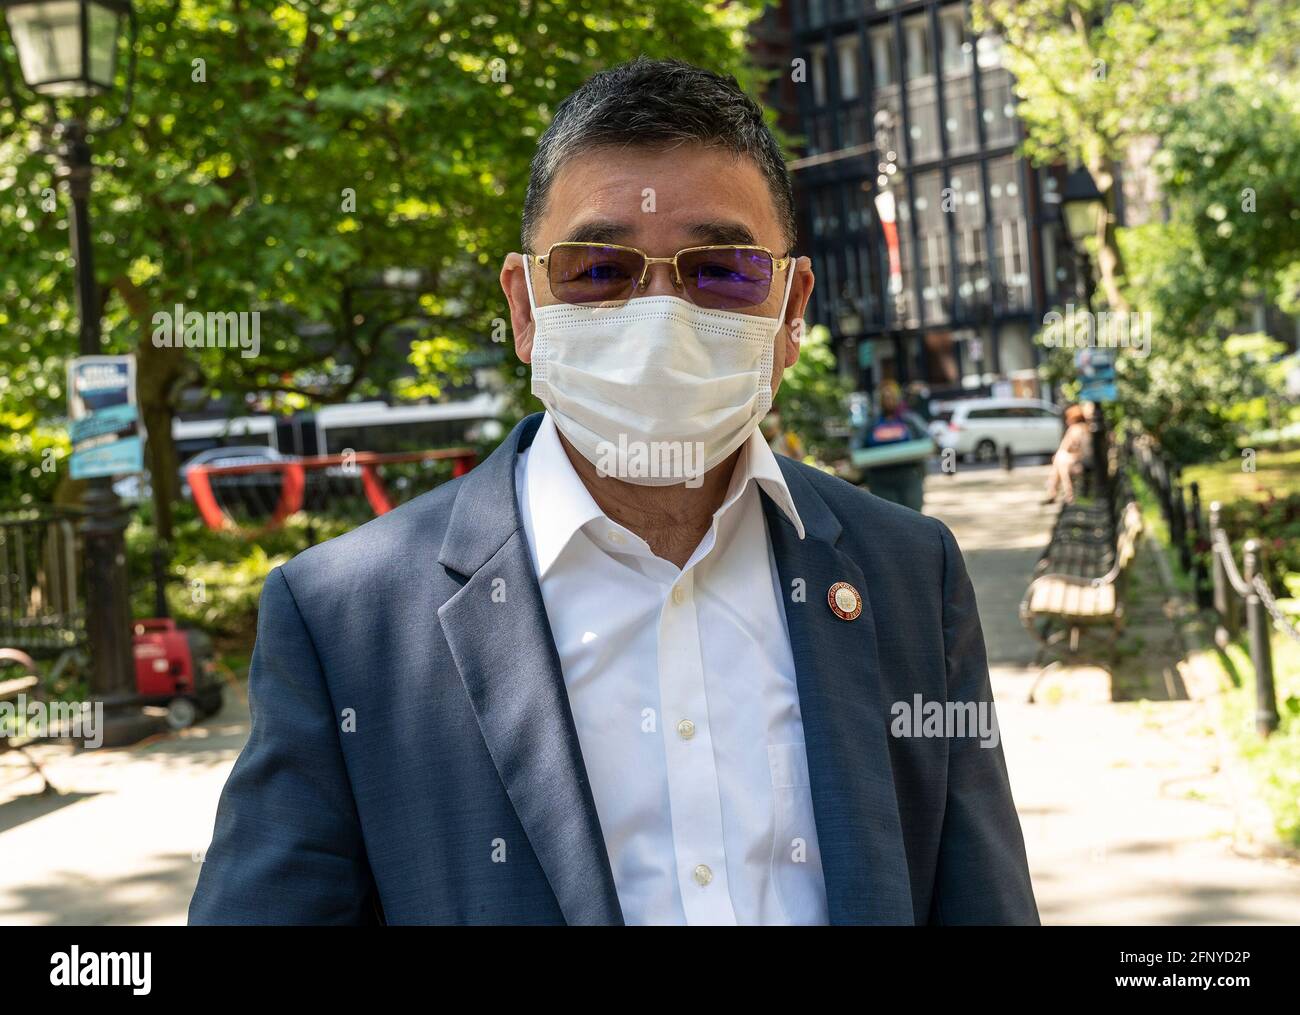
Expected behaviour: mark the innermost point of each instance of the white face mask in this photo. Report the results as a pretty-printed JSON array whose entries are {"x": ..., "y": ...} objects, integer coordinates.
[{"x": 657, "y": 391}]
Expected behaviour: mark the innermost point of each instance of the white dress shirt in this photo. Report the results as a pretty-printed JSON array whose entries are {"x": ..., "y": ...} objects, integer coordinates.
[{"x": 682, "y": 687}]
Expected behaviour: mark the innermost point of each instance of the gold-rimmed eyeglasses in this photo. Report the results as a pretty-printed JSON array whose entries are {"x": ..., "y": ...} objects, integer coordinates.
[{"x": 716, "y": 277}]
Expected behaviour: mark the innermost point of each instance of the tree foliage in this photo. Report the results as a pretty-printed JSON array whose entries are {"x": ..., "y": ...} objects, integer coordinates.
[{"x": 352, "y": 172}]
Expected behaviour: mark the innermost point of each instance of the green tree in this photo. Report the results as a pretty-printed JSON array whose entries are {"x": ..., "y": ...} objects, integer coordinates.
[
  {"x": 813, "y": 397},
  {"x": 294, "y": 159},
  {"x": 1229, "y": 168}
]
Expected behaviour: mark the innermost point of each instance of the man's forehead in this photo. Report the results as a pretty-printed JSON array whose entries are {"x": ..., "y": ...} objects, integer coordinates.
[
  {"x": 600, "y": 229},
  {"x": 705, "y": 195}
]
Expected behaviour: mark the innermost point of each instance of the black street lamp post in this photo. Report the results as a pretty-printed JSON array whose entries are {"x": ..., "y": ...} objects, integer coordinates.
[
  {"x": 1082, "y": 205},
  {"x": 67, "y": 50}
]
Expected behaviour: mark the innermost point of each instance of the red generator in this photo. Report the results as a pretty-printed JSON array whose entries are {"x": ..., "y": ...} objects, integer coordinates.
[{"x": 175, "y": 667}]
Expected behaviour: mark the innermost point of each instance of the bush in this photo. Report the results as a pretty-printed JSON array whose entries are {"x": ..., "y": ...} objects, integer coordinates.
[
  {"x": 214, "y": 579},
  {"x": 33, "y": 458},
  {"x": 1275, "y": 522}
]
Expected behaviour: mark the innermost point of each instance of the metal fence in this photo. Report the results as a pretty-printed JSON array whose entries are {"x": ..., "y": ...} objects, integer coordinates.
[
  {"x": 1232, "y": 593},
  {"x": 42, "y": 603}
]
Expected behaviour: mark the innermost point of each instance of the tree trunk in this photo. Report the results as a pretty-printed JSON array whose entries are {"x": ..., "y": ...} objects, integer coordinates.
[
  {"x": 157, "y": 373},
  {"x": 159, "y": 370}
]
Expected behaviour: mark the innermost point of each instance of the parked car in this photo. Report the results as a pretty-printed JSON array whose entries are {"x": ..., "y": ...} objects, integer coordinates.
[{"x": 982, "y": 427}]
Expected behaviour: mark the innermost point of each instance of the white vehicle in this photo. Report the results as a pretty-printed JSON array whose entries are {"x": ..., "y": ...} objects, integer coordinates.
[
  {"x": 982, "y": 427},
  {"x": 359, "y": 426}
]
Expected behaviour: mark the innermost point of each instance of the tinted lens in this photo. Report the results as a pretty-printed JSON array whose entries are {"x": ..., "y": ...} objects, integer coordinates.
[
  {"x": 726, "y": 278},
  {"x": 591, "y": 273}
]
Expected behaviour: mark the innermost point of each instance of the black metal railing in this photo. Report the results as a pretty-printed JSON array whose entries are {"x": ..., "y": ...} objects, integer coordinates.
[
  {"x": 1180, "y": 506},
  {"x": 42, "y": 603},
  {"x": 1205, "y": 555}
]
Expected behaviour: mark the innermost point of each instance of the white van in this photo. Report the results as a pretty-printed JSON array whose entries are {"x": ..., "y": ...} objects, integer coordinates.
[{"x": 982, "y": 427}]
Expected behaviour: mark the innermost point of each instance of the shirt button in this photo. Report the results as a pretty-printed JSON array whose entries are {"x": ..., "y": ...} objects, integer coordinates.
[
  {"x": 615, "y": 536},
  {"x": 679, "y": 595},
  {"x": 702, "y": 875},
  {"x": 686, "y": 729}
]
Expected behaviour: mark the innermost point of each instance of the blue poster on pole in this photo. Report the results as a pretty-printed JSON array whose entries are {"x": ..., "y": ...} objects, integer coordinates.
[
  {"x": 1096, "y": 368},
  {"x": 107, "y": 438}
]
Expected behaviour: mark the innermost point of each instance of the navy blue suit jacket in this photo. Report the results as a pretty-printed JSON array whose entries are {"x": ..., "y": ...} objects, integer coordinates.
[{"x": 410, "y": 730}]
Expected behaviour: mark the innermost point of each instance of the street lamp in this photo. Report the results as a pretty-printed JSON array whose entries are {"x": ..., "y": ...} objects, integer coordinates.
[
  {"x": 67, "y": 47},
  {"x": 67, "y": 54},
  {"x": 1084, "y": 208}
]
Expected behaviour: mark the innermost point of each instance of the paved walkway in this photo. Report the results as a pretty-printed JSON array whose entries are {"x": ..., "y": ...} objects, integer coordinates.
[
  {"x": 122, "y": 842},
  {"x": 1134, "y": 810}
]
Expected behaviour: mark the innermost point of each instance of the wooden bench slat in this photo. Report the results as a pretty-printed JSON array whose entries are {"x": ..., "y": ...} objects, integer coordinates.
[{"x": 10, "y": 689}]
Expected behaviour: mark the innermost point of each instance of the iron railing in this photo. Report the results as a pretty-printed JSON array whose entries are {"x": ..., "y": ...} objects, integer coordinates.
[{"x": 42, "y": 602}]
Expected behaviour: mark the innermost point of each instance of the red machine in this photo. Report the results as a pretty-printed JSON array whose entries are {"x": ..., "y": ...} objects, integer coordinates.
[{"x": 175, "y": 667}]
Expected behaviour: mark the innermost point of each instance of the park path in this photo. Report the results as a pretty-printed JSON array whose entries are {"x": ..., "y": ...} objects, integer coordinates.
[
  {"x": 1134, "y": 808},
  {"x": 122, "y": 843}
]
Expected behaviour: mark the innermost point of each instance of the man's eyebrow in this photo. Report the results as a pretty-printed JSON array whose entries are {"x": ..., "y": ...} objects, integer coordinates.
[
  {"x": 704, "y": 233},
  {"x": 599, "y": 231},
  {"x": 719, "y": 231}
]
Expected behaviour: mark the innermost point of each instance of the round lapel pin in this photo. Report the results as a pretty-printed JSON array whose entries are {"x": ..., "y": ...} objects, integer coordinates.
[{"x": 845, "y": 601}]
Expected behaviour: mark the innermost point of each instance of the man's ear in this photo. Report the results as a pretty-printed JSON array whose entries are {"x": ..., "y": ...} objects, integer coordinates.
[
  {"x": 514, "y": 284},
  {"x": 800, "y": 293}
]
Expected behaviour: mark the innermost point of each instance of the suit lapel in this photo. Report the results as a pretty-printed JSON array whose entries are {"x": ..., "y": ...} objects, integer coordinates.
[
  {"x": 837, "y": 669},
  {"x": 499, "y": 637}
]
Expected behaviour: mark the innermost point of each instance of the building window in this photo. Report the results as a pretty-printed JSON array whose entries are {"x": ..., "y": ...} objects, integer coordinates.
[
  {"x": 873, "y": 283},
  {"x": 819, "y": 224},
  {"x": 999, "y": 108},
  {"x": 857, "y": 198},
  {"x": 849, "y": 308},
  {"x": 966, "y": 200},
  {"x": 1010, "y": 234},
  {"x": 959, "y": 113},
  {"x": 884, "y": 69},
  {"x": 955, "y": 48},
  {"x": 826, "y": 216},
  {"x": 817, "y": 55},
  {"x": 846, "y": 49},
  {"x": 923, "y": 120},
  {"x": 932, "y": 235},
  {"x": 916, "y": 44},
  {"x": 853, "y": 126}
]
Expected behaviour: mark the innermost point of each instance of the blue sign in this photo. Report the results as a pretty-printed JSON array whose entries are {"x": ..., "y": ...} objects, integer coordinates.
[
  {"x": 1096, "y": 367},
  {"x": 1098, "y": 393},
  {"x": 107, "y": 438}
]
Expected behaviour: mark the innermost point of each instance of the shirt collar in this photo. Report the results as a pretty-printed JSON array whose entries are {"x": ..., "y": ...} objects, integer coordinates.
[{"x": 559, "y": 503}]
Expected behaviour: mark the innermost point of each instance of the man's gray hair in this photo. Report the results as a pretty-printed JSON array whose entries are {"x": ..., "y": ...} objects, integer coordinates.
[{"x": 657, "y": 103}]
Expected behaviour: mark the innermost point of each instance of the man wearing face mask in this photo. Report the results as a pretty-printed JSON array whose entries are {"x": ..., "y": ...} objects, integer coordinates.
[{"x": 632, "y": 668}]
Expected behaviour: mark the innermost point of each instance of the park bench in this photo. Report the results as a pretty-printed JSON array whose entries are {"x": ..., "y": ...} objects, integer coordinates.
[
  {"x": 1079, "y": 583},
  {"x": 13, "y": 691},
  {"x": 1093, "y": 521}
]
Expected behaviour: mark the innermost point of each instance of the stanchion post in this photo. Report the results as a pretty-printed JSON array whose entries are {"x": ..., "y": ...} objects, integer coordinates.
[
  {"x": 1257, "y": 626},
  {"x": 1199, "y": 577}
]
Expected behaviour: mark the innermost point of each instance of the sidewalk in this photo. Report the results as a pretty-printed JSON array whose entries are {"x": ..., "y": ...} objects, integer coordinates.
[
  {"x": 122, "y": 843},
  {"x": 1132, "y": 807}
]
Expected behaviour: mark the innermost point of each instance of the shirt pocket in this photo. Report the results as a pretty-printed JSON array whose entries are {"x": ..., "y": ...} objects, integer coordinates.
[{"x": 796, "y": 867}]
